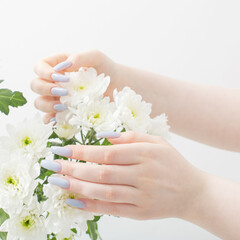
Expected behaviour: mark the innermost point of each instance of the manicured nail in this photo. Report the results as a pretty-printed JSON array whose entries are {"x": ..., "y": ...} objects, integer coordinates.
[
  {"x": 63, "y": 65},
  {"x": 60, "y": 107},
  {"x": 108, "y": 135},
  {"x": 57, "y": 91},
  {"x": 75, "y": 203},
  {"x": 60, "y": 182},
  {"x": 53, "y": 120},
  {"x": 61, "y": 151},
  {"x": 59, "y": 77},
  {"x": 51, "y": 165}
]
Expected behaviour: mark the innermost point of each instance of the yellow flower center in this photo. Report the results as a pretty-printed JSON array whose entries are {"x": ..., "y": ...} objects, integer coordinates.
[
  {"x": 26, "y": 141},
  {"x": 28, "y": 222},
  {"x": 79, "y": 88},
  {"x": 133, "y": 113},
  {"x": 94, "y": 118},
  {"x": 11, "y": 180},
  {"x": 65, "y": 126},
  {"x": 71, "y": 195}
]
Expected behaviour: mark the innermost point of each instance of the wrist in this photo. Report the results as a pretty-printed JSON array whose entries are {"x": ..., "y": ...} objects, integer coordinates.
[{"x": 195, "y": 194}]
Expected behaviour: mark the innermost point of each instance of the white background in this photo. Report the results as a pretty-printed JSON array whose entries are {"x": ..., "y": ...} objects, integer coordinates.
[{"x": 186, "y": 39}]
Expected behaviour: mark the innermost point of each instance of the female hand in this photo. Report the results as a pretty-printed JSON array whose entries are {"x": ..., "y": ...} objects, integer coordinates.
[
  {"x": 140, "y": 177},
  {"x": 50, "y": 72}
]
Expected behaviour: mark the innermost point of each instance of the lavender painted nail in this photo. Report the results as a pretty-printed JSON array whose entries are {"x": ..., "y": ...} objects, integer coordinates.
[
  {"x": 51, "y": 165},
  {"x": 62, "y": 151},
  {"x": 53, "y": 120},
  {"x": 75, "y": 203},
  {"x": 59, "y": 77},
  {"x": 108, "y": 135},
  {"x": 57, "y": 91},
  {"x": 62, "y": 66},
  {"x": 60, "y": 107},
  {"x": 60, "y": 182}
]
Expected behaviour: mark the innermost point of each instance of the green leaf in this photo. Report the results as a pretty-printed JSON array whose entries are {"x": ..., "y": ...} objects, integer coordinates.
[
  {"x": 9, "y": 98},
  {"x": 93, "y": 228},
  {"x": 53, "y": 135},
  {"x": 3, "y": 217},
  {"x": 74, "y": 230},
  {"x": 45, "y": 173},
  {"x": 1, "y": 81},
  {"x": 3, "y": 235},
  {"x": 106, "y": 142},
  {"x": 97, "y": 218},
  {"x": 17, "y": 99},
  {"x": 39, "y": 192}
]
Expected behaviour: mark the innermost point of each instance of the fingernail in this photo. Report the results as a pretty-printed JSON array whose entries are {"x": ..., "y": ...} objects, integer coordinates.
[
  {"x": 62, "y": 66},
  {"x": 62, "y": 151},
  {"x": 51, "y": 165},
  {"x": 53, "y": 120},
  {"x": 57, "y": 91},
  {"x": 75, "y": 203},
  {"x": 59, "y": 77},
  {"x": 60, "y": 182},
  {"x": 108, "y": 135},
  {"x": 60, "y": 107}
]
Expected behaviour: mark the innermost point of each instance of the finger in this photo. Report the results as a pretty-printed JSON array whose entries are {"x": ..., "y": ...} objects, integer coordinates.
[
  {"x": 43, "y": 87},
  {"x": 130, "y": 137},
  {"x": 44, "y": 68},
  {"x": 104, "y": 192},
  {"x": 111, "y": 155},
  {"x": 108, "y": 174},
  {"x": 102, "y": 207},
  {"x": 49, "y": 117},
  {"x": 85, "y": 59},
  {"x": 49, "y": 104}
]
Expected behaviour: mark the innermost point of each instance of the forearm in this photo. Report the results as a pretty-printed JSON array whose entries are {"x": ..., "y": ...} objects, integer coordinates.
[
  {"x": 217, "y": 208},
  {"x": 205, "y": 113}
]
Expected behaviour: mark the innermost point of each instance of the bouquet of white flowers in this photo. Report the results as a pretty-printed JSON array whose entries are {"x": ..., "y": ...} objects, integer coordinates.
[{"x": 31, "y": 208}]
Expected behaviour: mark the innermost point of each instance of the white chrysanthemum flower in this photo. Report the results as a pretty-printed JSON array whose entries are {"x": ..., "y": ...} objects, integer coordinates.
[
  {"x": 133, "y": 111},
  {"x": 63, "y": 128},
  {"x": 29, "y": 136},
  {"x": 159, "y": 126},
  {"x": 28, "y": 224},
  {"x": 63, "y": 217},
  {"x": 100, "y": 115},
  {"x": 84, "y": 84},
  {"x": 17, "y": 182}
]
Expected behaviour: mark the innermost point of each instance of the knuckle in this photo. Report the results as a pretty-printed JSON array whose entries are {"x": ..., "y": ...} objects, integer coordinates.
[
  {"x": 108, "y": 156},
  {"x": 110, "y": 194},
  {"x": 114, "y": 210},
  {"x": 104, "y": 174},
  {"x": 46, "y": 118},
  {"x": 68, "y": 169},
  {"x": 142, "y": 214},
  {"x": 36, "y": 103},
  {"x": 36, "y": 66},
  {"x": 32, "y": 85},
  {"x": 131, "y": 135}
]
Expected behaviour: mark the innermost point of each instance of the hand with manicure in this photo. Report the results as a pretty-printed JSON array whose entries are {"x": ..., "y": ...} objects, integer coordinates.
[
  {"x": 50, "y": 71},
  {"x": 140, "y": 177}
]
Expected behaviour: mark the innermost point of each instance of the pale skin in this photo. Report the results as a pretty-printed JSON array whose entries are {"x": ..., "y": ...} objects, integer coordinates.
[{"x": 143, "y": 176}]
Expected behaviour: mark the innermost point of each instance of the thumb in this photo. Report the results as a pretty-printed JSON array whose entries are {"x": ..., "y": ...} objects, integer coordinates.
[{"x": 129, "y": 137}]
